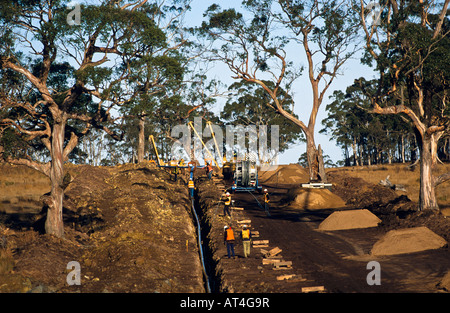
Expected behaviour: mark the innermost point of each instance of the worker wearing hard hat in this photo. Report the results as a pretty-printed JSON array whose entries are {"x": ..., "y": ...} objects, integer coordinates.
[
  {"x": 228, "y": 239},
  {"x": 246, "y": 237},
  {"x": 209, "y": 170},
  {"x": 266, "y": 201},
  {"x": 227, "y": 202},
  {"x": 182, "y": 164},
  {"x": 191, "y": 188}
]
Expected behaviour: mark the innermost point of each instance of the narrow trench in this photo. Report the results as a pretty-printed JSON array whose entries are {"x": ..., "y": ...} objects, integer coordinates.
[{"x": 211, "y": 280}]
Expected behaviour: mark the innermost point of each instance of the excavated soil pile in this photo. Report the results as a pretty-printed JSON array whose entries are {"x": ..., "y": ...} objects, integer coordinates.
[
  {"x": 314, "y": 199},
  {"x": 407, "y": 241},
  {"x": 129, "y": 227},
  {"x": 349, "y": 220},
  {"x": 382, "y": 201},
  {"x": 359, "y": 193},
  {"x": 283, "y": 175},
  {"x": 445, "y": 282}
]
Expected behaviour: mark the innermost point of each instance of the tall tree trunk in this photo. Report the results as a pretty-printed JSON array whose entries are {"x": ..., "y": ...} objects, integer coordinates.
[
  {"x": 403, "y": 148},
  {"x": 322, "y": 174},
  {"x": 427, "y": 195},
  {"x": 141, "y": 140},
  {"x": 360, "y": 155},
  {"x": 445, "y": 149},
  {"x": 355, "y": 152},
  {"x": 54, "y": 222},
  {"x": 315, "y": 161}
]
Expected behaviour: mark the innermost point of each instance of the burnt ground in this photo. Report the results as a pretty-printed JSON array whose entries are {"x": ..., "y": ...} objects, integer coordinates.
[{"x": 336, "y": 260}]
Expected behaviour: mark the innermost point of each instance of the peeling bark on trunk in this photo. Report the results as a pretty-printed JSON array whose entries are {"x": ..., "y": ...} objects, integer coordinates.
[
  {"x": 355, "y": 153},
  {"x": 141, "y": 140},
  {"x": 315, "y": 162},
  {"x": 322, "y": 174},
  {"x": 54, "y": 223},
  {"x": 427, "y": 196}
]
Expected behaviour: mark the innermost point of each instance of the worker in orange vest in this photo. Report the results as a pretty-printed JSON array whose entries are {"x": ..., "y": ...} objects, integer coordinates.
[
  {"x": 209, "y": 170},
  {"x": 228, "y": 239}
]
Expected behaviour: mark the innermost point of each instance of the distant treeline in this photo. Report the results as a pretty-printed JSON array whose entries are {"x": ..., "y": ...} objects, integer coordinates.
[{"x": 366, "y": 138}]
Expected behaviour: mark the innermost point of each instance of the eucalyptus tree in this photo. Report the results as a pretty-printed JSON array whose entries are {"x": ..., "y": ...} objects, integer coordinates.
[
  {"x": 39, "y": 35},
  {"x": 157, "y": 72},
  {"x": 251, "y": 105},
  {"x": 263, "y": 44},
  {"x": 408, "y": 43},
  {"x": 372, "y": 138}
]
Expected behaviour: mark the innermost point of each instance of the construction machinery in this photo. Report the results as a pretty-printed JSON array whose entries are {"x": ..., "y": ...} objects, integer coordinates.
[
  {"x": 227, "y": 169},
  {"x": 243, "y": 172},
  {"x": 200, "y": 138},
  {"x": 317, "y": 185},
  {"x": 246, "y": 176},
  {"x": 155, "y": 149}
]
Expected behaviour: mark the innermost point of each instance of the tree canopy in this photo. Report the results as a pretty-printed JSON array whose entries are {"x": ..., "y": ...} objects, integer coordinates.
[{"x": 92, "y": 89}]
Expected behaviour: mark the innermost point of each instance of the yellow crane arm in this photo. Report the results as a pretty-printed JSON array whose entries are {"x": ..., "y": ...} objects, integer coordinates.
[
  {"x": 154, "y": 148},
  {"x": 215, "y": 142},
  {"x": 207, "y": 150}
]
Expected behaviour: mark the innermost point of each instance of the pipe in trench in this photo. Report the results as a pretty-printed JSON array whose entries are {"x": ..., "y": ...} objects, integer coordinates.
[{"x": 199, "y": 236}]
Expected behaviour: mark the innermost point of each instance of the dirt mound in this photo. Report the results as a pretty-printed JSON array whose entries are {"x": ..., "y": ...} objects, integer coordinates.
[
  {"x": 382, "y": 201},
  {"x": 407, "y": 240},
  {"x": 445, "y": 211},
  {"x": 128, "y": 226},
  {"x": 349, "y": 219},
  {"x": 359, "y": 193},
  {"x": 284, "y": 175},
  {"x": 445, "y": 282},
  {"x": 314, "y": 199}
]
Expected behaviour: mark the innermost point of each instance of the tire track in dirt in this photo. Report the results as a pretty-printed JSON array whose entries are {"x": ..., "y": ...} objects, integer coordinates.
[{"x": 338, "y": 260}]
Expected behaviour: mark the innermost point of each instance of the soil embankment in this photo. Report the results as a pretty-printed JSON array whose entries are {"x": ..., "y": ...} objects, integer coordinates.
[
  {"x": 239, "y": 274},
  {"x": 131, "y": 230},
  {"x": 330, "y": 260},
  {"x": 129, "y": 227}
]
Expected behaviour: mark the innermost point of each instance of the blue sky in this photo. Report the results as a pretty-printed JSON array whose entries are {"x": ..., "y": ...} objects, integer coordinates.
[{"x": 301, "y": 89}]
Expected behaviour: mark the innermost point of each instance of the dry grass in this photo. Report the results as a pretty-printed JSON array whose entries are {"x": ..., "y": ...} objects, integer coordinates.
[
  {"x": 20, "y": 188},
  {"x": 400, "y": 174}
]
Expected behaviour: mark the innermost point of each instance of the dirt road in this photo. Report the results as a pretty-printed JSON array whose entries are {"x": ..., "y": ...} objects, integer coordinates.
[{"x": 336, "y": 260}]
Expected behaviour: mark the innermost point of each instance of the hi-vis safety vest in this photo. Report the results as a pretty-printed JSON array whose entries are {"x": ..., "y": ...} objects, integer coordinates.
[
  {"x": 230, "y": 234},
  {"x": 191, "y": 184},
  {"x": 246, "y": 234},
  {"x": 266, "y": 197},
  {"x": 228, "y": 200}
]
